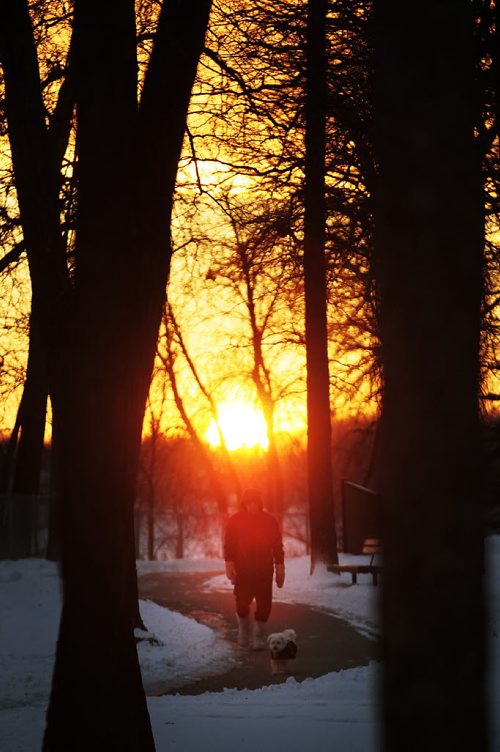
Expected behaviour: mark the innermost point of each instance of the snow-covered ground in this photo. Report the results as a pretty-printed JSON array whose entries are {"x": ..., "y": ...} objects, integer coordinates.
[{"x": 335, "y": 711}]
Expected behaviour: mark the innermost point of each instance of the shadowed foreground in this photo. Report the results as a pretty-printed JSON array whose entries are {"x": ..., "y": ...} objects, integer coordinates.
[{"x": 325, "y": 643}]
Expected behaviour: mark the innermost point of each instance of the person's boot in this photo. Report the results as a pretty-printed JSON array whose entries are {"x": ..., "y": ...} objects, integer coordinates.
[
  {"x": 243, "y": 630},
  {"x": 259, "y": 635}
]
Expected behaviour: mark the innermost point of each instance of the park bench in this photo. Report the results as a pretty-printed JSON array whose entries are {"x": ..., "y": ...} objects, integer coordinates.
[
  {"x": 361, "y": 530},
  {"x": 370, "y": 546}
]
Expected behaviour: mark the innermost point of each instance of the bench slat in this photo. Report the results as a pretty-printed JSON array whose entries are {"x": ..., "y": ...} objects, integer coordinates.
[{"x": 355, "y": 569}]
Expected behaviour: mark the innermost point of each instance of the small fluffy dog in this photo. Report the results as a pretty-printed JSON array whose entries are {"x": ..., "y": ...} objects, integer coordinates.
[{"x": 283, "y": 648}]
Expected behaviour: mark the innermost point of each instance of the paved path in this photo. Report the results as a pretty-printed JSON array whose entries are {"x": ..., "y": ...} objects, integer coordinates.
[{"x": 325, "y": 642}]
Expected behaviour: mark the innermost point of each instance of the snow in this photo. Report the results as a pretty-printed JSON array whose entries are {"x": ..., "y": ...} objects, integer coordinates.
[
  {"x": 186, "y": 648},
  {"x": 337, "y": 710}
]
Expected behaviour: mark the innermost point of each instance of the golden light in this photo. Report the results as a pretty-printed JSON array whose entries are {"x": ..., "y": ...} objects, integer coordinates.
[{"x": 242, "y": 425}]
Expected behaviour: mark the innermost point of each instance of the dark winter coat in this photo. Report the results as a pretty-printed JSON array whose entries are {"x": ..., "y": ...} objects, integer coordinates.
[
  {"x": 253, "y": 542},
  {"x": 289, "y": 651}
]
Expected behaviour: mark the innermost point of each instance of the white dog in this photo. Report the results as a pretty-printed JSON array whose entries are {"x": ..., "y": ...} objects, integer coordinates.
[{"x": 283, "y": 648}]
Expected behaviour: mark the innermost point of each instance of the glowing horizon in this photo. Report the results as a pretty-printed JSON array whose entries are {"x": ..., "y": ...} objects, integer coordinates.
[{"x": 242, "y": 426}]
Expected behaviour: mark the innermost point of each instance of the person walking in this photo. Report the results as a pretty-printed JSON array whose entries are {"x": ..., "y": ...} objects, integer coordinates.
[{"x": 253, "y": 552}]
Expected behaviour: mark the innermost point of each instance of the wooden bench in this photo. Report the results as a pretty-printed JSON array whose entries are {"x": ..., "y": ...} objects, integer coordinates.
[{"x": 370, "y": 546}]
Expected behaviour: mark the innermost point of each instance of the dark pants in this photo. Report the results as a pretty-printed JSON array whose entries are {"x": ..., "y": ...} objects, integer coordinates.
[{"x": 248, "y": 588}]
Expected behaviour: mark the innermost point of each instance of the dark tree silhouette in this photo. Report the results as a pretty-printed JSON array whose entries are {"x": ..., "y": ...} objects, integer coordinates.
[
  {"x": 100, "y": 327},
  {"x": 319, "y": 456},
  {"x": 37, "y": 152},
  {"x": 429, "y": 244},
  {"x": 123, "y": 253}
]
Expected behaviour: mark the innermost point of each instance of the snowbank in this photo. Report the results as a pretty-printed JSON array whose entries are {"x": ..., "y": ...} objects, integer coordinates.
[{"x": 335, "y": 711}]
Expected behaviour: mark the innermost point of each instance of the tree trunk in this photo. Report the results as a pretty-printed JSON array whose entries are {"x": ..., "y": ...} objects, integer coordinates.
[
  {"x": 319, "y": 458},
  {"x": 127, "y": 169},
  {"x": 37, "y": 183},
  {"x": 33, "y": 408},
  {"x": 54, "y": 535},
  {"x": 179, "y": 540},
  {"x": 495, "y": 72},
  {"x": 274, "y": 476},
  {"x": 99, "y": 412},
  {"x": 151, "y": 523},
  {"x": 27, "y": 465},
  {"x": 429, "y": 243},
  {"x": 23, "y": 461}
]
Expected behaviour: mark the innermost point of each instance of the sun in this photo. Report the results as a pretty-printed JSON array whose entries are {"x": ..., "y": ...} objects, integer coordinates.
[{"x": 242, "y": 425}]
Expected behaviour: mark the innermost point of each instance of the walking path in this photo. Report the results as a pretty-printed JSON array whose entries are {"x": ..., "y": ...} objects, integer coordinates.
[{"x": 325, "y": 642}]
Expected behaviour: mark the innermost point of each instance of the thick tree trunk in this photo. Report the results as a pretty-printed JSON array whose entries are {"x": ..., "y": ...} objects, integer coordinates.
[
  {"x": 274, "y": 476},
  {"x": 37, "y": 183},
  {"x": 98, "y": 408},
  {"x": 127, "y": 169},
  {"x": 37, "y": 153},
  {"x": 429, "y": 242},
  {"x": 319, "y": 457}
]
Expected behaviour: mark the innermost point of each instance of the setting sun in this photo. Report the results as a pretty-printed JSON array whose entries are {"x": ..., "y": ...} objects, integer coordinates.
[{"x": 242, "y": 426}]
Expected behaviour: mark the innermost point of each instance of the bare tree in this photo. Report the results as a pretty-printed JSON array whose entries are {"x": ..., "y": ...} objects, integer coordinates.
[
  {"x": 167, "y": 358},
  {"x": 37, "y": 152},
  {"x": 100, "y": 325},
  {"x": 255, "y": 266},
  {"x": 168, "y": 355}
]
